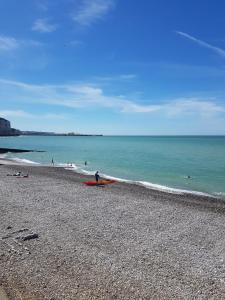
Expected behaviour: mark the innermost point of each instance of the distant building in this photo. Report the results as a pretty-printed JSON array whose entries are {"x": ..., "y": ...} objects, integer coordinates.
[{"x": 6, "y": 130}]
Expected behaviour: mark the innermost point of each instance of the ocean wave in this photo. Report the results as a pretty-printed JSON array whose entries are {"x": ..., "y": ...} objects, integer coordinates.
[
  {"x": 171, "y": 190},
  {"x": 67, "y": 166},
  {"x": 220, "y": 194},
  {"x": 24, "y": 161},
  {"x": 146, "y": 184}
]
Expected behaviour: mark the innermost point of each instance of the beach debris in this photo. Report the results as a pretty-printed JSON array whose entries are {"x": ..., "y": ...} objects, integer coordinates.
[
  {"x": 20, "y": 230},
  {"x": 14, "y": 232},
  {"x": 14, "y": 241},
  {"x": 20, "y": 245},
  {"x": 19, "y": 175},
  {"x": 15, "y": 174},
  {"x": 15, "y": 247},
  {"x": 11, "y": 248},
  {"x": 29, "y": 237}
]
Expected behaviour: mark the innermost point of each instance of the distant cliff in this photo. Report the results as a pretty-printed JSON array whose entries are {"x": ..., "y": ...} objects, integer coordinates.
[
  {"x": 56, "y": 134},
  {"x": 6, "y": 130}
]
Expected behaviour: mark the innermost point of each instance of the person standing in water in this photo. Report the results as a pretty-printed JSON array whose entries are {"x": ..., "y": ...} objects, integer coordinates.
[
  {"x": 97, "y": 176},
  {"x": 52, "y": 162}
]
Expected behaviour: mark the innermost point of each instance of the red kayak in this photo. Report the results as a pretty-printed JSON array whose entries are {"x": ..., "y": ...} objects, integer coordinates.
[{"x": 100, "y": 182}]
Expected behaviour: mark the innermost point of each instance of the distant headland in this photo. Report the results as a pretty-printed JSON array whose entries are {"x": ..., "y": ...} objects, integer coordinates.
[
  {"x": 56, "y": 134},
  {"x": 6, "y": 130}
]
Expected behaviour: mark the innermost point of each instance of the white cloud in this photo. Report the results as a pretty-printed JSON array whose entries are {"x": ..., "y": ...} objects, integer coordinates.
[
  {"x": 88, "y": 96},
  {"x": 91, "y": 11},
  {"x": 76, "y": 43},
  {"x": 122, "y": 77},
  {"x": 128, "y": 76},
  {"x": 23, "y": 114},
  {"x": 129, "y": 107},
  {"x": 43, "y": 25},
  {"x": 8, "y": 43},
  {"x": 42, "y": 5},
  {"x": 14, "y": 113},
  {"x": 217, "y": 50},
  {"x": 204, "y": 108}
]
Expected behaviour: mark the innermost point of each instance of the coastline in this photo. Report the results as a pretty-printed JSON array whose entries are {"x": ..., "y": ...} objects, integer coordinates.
[
  {"x": 74, "y": 168},
  {"x": 118, "y": 242},
  {"x": 188, "y": 165}
]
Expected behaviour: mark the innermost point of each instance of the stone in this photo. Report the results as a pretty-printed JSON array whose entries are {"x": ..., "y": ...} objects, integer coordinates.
[{"x": 30, "y": 237}]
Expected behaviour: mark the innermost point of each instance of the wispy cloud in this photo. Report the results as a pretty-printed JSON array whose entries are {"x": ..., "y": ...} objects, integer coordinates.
[
  {"x": 76, "y": 43},
  {"x": 91, "y": 11},
  {"x": 10, "y": 43},
  {"x": 22, "y": 54},
  {"x": 23, "y": 114},
  {"x": 87, "y": 95},
  {"x": 216, "y": 50},
  {"x": 43, "y": 25},
  {"x": 128, "y": 76},
  {"x": 121, "y": 77},
  {"x": 70, "y": 95},
  {"x": 202, "y": 107},
  {"x": 42, "y": 5},
  {"x": 14, "y": 113}
]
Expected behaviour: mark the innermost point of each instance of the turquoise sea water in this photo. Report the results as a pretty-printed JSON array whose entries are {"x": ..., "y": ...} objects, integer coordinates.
[{"x": 165, "y": 161}]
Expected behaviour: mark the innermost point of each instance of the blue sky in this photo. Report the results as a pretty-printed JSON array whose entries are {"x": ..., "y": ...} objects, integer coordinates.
[{"x": 144, "y": 67}]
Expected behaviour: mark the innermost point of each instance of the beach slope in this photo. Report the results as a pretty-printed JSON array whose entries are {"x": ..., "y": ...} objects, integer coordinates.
[{"x": 61, "y": 240}]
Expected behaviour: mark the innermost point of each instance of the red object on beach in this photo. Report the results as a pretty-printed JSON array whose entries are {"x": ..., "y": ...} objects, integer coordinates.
[{"x": 100, "y": 182}]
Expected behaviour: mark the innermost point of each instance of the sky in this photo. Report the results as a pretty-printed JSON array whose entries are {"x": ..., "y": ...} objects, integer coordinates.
[{"x": 113, "y": 67}]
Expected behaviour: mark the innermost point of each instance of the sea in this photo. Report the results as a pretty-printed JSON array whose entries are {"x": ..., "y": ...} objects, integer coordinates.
[{"x": 176, "y": 164}]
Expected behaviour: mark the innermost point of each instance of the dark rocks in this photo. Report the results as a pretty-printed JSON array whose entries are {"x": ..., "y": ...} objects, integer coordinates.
[{"x": 29, "y": 237}]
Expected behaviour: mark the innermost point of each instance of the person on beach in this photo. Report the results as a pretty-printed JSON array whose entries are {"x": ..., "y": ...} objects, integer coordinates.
[
  {"x": 18, "y": 174},
  {"x": 85, "y": 163},
  {"x": 52, "y": 162},
  {"x": 97, "y": 176}
]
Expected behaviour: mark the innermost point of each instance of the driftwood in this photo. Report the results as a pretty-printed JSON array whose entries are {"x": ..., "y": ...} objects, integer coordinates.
[
  {"x": 14, "y": 232},
  {"x": 29, "y": 237}
]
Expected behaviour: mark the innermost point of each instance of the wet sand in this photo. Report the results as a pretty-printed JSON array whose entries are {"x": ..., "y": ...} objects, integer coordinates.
[{"x": 116, "y": 242}]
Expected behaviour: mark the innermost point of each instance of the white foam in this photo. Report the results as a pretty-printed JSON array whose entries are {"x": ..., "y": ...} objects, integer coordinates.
[
  {"x": 24, "y": 161},
  {"x": 167, "y": 189},
  {"x": 76, "y": 168},
  {"x": 118, "y": 179},
  {"x": 146, "y": 184},
  {"x": 220, "y": 194},
  {"x": 67, "y": 166}
]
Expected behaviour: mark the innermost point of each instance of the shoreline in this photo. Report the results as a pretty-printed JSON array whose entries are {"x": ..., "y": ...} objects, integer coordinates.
[
  {"x": 147, "y": 185},
  {"x": 122, "y": 241}
]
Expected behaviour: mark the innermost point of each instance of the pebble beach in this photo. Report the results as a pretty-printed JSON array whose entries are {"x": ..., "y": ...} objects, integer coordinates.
[{"x": 60, "y": 239}]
